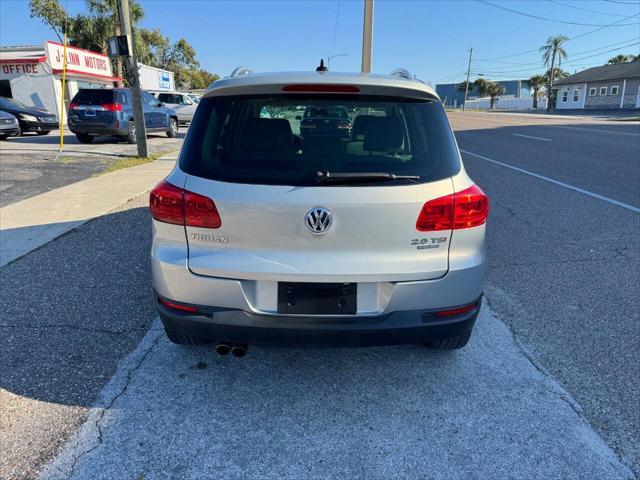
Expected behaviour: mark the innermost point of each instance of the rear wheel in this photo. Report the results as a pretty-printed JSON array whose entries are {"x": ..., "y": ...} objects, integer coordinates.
[
  {"x": 172, "y": 128},
  {"x": 3, "y": 137},
  {"x": 130, "y": 137},
  {"x": 43, "y": 132},
  {"x": 451, "y": 343},
  {"x": 180, "y": 338},
  {"x": 84, "y": 138}
]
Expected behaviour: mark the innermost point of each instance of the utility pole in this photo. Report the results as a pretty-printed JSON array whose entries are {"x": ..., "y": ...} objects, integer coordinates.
[
  {"x": 131, "y": 69},
  {"x": 367, "y": 35},
  {"x": 466, "y": 85}
]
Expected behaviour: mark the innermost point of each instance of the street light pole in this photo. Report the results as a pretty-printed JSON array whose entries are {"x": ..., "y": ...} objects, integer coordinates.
[
  {"x": 367, "y": 35},
  {"x": 466, "y": 85},
  {"x": 131, "y": 64}
]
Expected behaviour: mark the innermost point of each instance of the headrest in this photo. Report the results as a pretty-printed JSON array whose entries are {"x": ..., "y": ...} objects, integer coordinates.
[
  {"x": 266, "y": 135},
  {"x": 383, "y": 134},
  {"x": 360, "y": 125}
]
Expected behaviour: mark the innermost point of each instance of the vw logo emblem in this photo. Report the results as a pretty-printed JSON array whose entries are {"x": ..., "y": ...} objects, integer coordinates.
[{"x": 318, "y": 220}]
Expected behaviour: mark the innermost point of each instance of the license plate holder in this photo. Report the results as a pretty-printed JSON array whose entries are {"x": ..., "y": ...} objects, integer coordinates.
[{"x": 317, "y": 298}]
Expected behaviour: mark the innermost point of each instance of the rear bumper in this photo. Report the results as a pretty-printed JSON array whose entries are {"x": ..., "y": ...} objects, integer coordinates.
[
  {"x": 397, "y": 328},
  {"x": 98, "y": 130}
]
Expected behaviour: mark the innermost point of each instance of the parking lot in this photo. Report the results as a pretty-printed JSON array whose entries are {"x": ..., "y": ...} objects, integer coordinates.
[
  {"x": 545, "y": 389},
  {"x": 30, "y": 164}
]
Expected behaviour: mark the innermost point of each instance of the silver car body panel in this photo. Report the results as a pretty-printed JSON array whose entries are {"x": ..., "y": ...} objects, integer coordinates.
[{"x": 263, "y": 238}]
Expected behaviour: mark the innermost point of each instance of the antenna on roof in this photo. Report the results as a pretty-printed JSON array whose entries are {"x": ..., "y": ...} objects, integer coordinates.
[
  {"x": 321, "y": 67},
  {"x": 402, "y": 73},
  {"x": 240, "y": 71}
]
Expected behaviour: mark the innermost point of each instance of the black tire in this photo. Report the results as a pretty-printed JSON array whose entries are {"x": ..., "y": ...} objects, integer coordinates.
[
  {"x": 130, "y": 137},
  {"x": 451, "y": 343},
  {"x": 172, "y": 128},
  {"x": 43, "y": 132},
  {"x": 84, "y": 138},
  {"x": 180, "y": 338},
  {"x": 4, "y": 137}
]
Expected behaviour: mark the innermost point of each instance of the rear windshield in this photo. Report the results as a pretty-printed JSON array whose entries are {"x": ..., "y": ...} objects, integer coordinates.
[
  {"x": 288, "y": 139},
  {"x": 98, "y": 97}
]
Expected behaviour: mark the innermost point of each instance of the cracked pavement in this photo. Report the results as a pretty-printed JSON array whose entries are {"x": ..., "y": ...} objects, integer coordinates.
[{"x": 71, "y": 310}]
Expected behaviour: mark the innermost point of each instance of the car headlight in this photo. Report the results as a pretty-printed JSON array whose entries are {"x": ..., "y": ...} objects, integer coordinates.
[{"x": 28, "y": 118}]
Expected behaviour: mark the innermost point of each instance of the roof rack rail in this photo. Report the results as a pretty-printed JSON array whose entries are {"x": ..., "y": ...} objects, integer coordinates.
[
  {"x": 240, "y": 71},
  {"x": 402, "y": 73}
]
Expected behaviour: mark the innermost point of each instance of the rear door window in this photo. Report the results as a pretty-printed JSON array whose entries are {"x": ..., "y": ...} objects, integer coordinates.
[{"x": 288, "y": 139}]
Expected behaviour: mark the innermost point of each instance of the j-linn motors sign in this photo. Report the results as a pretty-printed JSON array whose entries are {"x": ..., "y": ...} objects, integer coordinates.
[{"x": 78, "y": 60}]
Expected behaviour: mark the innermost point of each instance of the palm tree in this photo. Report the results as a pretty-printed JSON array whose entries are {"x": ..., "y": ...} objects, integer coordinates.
[
  {"x": 536, "y": 82},
  {"x": 550, "y": 51},
  {"x": 493, "y": 89},
  {"x": 620, "y": 59},
  {"x": 107, "y": 12},
  {"x": 481, "y": 86}
]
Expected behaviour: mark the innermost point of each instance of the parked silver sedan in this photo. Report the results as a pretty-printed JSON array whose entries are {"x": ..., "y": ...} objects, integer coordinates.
[{"x": 9, "y": 125}]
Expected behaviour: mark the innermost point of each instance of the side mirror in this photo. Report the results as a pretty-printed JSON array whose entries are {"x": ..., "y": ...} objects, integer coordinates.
[
  {"x": 160, "y": 104},
  {"x": 298, "y": 117}
]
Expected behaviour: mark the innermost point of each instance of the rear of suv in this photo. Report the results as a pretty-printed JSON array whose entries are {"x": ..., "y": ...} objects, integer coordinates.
[
  {"x": 268, "y": 233},
  {"x": 107, "y": 111}
]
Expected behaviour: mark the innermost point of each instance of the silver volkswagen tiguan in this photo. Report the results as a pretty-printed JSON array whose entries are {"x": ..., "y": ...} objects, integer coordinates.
[{"x": 318, "y": 209}]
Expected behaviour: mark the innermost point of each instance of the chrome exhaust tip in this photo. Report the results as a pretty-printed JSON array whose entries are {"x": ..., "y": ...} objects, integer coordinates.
[
  {"x": 223, "y": 348},
  {"x": 239, "y": 349}
]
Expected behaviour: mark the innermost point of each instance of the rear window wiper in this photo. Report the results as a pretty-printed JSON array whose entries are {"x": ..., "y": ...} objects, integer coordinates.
[{"x": 339, "y": 177}]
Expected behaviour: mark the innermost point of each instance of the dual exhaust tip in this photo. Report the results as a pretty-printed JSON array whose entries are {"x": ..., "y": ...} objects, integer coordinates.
[{"x": 237, "y": 349}]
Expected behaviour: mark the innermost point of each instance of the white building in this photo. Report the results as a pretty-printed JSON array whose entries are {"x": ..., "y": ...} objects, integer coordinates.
[
  {"x": 155, "y": 79},
  {"x": 33, "y": 74}
]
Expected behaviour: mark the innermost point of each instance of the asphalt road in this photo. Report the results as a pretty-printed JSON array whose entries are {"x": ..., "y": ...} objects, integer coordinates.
[
  {"x": 29, "y": 164},
  {"x": 545, "y": 389},
  {"x": 564, "y": 266}
]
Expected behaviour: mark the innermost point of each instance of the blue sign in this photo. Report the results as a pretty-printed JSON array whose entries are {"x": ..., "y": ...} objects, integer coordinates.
[{"x": 164, "y": 80}]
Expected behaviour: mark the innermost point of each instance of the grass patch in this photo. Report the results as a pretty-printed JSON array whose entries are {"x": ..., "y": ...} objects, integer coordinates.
[
  {"x": 626, "y": 119},
  {"x": 126, "y": 162}
]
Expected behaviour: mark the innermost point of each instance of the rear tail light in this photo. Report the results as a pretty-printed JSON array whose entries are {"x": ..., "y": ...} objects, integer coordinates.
[
  {"x": 112, "y": 107},
  {"x": 72, "y": 106},
  {"x": 170, "y": 204},
  {"x": 344, "y": 125},
  {"x": 465, "y": 209},
  {"x": 177, "y": 306}
]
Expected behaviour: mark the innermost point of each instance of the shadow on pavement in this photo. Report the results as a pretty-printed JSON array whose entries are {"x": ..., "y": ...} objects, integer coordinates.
[{"x": 74, "y": 307}]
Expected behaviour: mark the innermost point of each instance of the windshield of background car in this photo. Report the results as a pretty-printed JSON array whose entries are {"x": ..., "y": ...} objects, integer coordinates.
[{"x": 271, "y": 140}]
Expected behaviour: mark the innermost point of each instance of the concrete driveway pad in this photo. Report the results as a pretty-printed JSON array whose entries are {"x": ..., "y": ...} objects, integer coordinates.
[{"x": 395, "y": 412}]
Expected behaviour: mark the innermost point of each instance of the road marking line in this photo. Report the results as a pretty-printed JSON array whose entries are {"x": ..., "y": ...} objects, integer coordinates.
[
  {"x": 629, "y": 134},
  {"x": 529, "y": 136},
  {"x": 556, "y": 182}
]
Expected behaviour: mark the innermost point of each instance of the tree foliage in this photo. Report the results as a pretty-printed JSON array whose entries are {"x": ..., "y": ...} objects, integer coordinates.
[
  {"x": 536, "y": 82},
  {"x": 623, "y": 59},
  {"x": 91, "y": 31},
  {"x": 494, "y": 89}
]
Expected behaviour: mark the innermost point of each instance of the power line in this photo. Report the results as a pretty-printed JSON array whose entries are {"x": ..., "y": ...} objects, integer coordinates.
[
  {"x": 585, "y": 9},
  {"x": 335, "y": 28},
  {"x": 571, "y": 39},
  {"x": 518, "y": 12},
  {"x": 576, "y": 53},
  {"x": 625, "y": 3}
]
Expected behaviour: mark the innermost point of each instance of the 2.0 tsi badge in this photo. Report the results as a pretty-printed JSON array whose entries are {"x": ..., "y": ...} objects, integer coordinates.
[{"x": 318, "y": 220}]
